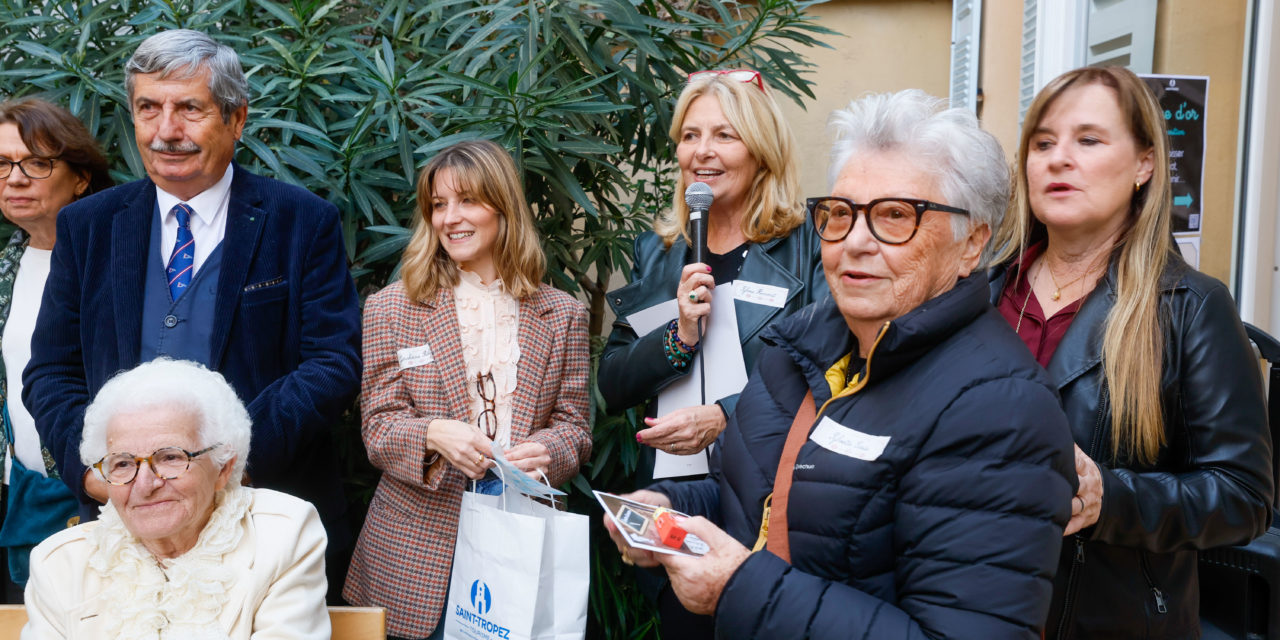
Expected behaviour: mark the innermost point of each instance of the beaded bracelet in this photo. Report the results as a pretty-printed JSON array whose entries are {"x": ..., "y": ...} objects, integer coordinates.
[
  {"x": 679, "y": 355},
  {"x": 678, "y": 359},
  {"x": 673, "y": 329}
]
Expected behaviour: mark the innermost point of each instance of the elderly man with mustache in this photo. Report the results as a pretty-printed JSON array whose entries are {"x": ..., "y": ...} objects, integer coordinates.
[{"x": 203, "y": 261}]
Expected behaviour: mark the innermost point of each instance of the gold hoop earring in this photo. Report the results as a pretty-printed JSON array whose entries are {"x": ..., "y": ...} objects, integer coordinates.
[{"x": 1137, "y": 186}]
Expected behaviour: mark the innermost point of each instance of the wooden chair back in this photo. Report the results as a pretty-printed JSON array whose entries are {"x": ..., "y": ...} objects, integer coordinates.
[
  {"x": 12, "y": 618},
  {"x": 358, "y": 623},
  {"x": 349, "y": 623}
]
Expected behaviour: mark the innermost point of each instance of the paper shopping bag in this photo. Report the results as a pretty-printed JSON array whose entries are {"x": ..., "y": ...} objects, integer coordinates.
[
  {"x": 522, "y": 575},
  {"x": 561, "y": 611},
  {"x": 497, "y": 563}
]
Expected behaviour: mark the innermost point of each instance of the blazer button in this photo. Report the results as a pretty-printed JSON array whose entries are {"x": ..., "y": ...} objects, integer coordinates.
[{"x": 171, "y": 321}]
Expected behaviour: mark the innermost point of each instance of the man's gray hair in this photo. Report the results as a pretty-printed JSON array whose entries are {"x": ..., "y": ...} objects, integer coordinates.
[
  {"x": 172, "y": 384},
  {"x": 181, "y": 53},
  {"x": 968, "y": 162}
]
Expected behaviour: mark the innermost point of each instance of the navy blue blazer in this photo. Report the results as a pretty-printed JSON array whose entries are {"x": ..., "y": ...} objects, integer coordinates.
[{"x": 286, "y": 331}]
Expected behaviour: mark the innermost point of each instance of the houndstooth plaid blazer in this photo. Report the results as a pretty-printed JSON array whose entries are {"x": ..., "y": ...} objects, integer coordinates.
[{"x": 405, "y": 551}]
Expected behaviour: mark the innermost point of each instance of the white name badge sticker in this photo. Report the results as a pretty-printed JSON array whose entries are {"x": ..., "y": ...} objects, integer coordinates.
[
  {"x": 836, "y": 437},
  {"x": 765, "y": 294},
  {"x": 414, "y": 356}
]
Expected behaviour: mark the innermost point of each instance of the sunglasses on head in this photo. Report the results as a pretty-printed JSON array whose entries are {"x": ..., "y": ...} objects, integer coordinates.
[{"x": 741, "y": 75}]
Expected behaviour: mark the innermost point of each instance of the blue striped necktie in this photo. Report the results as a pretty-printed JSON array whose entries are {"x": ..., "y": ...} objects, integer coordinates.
[{"x": 182, "y": 260}]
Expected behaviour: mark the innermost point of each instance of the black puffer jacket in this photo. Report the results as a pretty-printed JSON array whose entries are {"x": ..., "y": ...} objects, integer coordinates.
[
  {"x": 952, "y": 531},
  {"x": 1134, "y": 574}
]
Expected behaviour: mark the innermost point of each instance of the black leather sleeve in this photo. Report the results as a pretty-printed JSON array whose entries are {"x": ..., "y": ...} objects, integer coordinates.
[
  {"x": 1222, "y": 492},
  {"x": 633, "y": 368}
]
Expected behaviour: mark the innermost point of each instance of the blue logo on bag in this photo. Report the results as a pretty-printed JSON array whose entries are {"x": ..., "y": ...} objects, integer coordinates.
[
  {"x": 482, "y": 603},
  {"x": 481, "y": 598}
]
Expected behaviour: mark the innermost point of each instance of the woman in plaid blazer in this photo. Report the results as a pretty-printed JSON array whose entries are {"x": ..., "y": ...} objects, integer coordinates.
[{"x": 468, "y": 349}]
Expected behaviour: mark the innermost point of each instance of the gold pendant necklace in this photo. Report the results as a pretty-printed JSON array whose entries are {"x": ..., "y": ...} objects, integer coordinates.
[{"x": 1057, "y": 292}]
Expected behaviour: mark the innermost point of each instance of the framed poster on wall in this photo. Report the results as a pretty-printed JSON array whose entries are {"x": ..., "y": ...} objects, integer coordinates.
[{"x": 1183, "y": 100}]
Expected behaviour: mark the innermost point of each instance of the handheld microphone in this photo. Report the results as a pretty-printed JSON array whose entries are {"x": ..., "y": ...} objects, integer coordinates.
[{"x": 698, "y": 196}]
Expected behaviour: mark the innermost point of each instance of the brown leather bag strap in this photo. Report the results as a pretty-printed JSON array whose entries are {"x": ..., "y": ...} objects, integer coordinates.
[{"x": 778, "y": 543}]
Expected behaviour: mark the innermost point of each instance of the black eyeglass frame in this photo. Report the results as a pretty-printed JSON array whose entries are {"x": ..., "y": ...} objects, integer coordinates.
[
  {"x": 488, "y": 418},
  {"x": 150, "y": 460},
  {"x": 920, "y": 206},
  {"x": 4, "y": 173}
]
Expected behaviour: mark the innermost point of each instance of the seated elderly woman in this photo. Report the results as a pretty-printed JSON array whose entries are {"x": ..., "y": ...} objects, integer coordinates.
[
  {"x": 181, "y": 549},
  {"x": 897, "y": 459}
]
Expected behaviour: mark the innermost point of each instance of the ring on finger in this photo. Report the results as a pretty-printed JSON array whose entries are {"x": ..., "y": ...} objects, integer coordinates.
[
  {"x": 1081, "y": 503},
  {"x": 480, "y": 459},
  {"x": 693, "y": 296}
]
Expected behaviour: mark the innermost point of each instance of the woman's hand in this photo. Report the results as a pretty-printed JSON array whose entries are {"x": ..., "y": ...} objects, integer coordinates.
[
  {"x": 696, "y": 280},
  {"x": 637, "y": 557},
  {"x": 462, "y": 445},
  {"x": 684, "y": 431},
  {"x": 1087, "y": 503},
  {"x": 530, "y": 457},
  {"x": 698, "y": 581}
]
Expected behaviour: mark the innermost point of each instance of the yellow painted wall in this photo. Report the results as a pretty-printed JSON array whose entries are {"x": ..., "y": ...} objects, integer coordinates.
[
  {"x": 890, "y": 45},
  {"x": 1207, "y": 39},
  {"x": 1000, "y": 66},
  {"x": 887, "y": 45}
]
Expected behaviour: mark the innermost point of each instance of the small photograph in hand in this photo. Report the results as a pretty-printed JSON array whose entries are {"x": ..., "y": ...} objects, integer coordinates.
[{"x": 652, "y": 528}]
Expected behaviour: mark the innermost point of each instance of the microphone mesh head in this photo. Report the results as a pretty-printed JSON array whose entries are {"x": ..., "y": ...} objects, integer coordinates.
[{"x": 698, "y": 196}]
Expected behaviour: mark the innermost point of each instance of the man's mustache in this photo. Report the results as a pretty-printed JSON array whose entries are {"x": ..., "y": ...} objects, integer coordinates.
[{"x": 159, "y": 146}]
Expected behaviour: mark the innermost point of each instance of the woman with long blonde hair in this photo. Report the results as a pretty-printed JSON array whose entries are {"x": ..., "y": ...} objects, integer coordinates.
[
  {"x": 731, "y": 136},
  {"x": 1155, "y": 372},
  {"x": 470, "y": 349}
]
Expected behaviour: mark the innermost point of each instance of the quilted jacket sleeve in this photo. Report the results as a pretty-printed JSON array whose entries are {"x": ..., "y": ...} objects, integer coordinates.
[{"x": 977, "y": 529}]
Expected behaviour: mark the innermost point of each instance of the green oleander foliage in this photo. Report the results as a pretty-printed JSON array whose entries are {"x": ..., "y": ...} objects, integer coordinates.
[{"x": 349, "y": 98}]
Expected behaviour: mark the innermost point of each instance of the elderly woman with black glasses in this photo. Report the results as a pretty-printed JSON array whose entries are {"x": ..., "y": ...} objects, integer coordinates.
[
  {"x": 181, "y": 550},
  {"x": 898, "y": 461}
]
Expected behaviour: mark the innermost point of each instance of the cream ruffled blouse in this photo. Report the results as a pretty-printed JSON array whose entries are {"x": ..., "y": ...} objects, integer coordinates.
[
  {"x": 489, "y": 319},
  {"x": 178, "y": 598}
]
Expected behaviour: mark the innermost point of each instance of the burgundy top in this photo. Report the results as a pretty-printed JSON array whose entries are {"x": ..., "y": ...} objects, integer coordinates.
[{"x": 1041, "y": 337}]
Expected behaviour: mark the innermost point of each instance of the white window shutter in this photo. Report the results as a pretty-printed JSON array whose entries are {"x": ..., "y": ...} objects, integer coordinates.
[
  {"x": 1053, "y": 39},
  {"x": 966, "y": 35},
  {"x": 1027, "y": 67},
  {"x": 1122, "y": 32}
]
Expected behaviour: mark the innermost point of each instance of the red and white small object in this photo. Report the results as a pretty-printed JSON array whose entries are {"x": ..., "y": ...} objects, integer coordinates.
[{"x": 669, "y": 532}]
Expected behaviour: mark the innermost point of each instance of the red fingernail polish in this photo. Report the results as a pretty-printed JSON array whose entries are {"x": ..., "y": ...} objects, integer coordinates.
[
  {"x": 708, "y": 269},
  {"x": 639, "y": 439}
]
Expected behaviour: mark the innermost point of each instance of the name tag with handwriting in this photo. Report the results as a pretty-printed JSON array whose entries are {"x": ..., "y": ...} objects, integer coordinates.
[
  {"x": 833, "y": 436},
  {"x": 414, "y": 356},
  {"x": 765, "y": 294}
]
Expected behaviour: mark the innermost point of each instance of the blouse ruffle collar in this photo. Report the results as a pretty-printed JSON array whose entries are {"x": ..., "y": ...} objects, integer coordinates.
[
  {"x": 488, "y": 323},
  {"x": 179, "y": 598}
]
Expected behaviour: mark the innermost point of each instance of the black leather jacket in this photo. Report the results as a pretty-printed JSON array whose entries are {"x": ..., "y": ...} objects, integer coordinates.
[
  {"x": 633, "y": 368},
  {"x": 1134, "y": 573}
]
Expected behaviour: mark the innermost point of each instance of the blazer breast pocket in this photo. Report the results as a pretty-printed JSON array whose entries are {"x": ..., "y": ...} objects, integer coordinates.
[{"x": 265, "y": 291}]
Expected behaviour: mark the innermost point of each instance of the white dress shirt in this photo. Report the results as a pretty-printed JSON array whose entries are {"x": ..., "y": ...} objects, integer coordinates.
[{"x": 208, "y": 225}]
